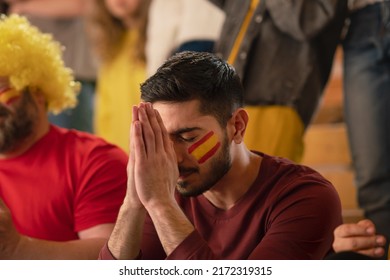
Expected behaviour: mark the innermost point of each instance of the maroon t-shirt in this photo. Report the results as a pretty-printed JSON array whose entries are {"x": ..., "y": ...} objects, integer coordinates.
[{"x": 289, "y": 212}]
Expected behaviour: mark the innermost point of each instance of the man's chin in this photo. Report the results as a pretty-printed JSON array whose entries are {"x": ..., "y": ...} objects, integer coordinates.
[
  {"x": 181, "y": 185},
  {"x": 183, "y": 188},
  {"x": 189, "y": 190}
]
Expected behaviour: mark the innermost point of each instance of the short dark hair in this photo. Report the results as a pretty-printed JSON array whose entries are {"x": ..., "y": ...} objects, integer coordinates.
[{"x": 199, "y": 76}]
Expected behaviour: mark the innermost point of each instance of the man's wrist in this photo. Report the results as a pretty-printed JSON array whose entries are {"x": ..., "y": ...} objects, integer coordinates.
[
  {"x": 160, "y": 207},
  {"x": 133, "y": 204}
]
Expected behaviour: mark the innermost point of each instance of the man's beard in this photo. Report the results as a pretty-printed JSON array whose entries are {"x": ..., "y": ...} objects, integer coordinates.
[
  {"x": 219, "y": 166},
  {"x": 17, "y": 125}
]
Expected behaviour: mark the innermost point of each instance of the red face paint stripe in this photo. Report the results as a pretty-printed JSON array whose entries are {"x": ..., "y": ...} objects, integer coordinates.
[
  {"x": 200, "y": 142},
  {"x": 9, "y": 95},
  {"x": 210, "y": 153},
  {"x": 4, "y": 90},
  {"x": 11, "y": 100}
]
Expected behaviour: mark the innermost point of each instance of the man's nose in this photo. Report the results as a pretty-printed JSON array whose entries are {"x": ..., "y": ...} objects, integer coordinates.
[{"x": 181, "y": 152}]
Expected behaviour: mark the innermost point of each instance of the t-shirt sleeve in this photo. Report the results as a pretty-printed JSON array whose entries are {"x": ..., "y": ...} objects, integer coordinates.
[
  {"x": 301, "y": 225},
  {"x": 105, "y": 253},
  {"x": 101, "y": 188},
  {"x": 194, "y": 247}
]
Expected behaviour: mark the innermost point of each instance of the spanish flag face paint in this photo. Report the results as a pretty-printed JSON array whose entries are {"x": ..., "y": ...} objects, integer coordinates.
[
  {"x": 205, "y": 148},
  {"x": 8, "y": 95}
]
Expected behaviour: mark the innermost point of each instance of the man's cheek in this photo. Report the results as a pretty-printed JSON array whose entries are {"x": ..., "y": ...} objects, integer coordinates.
[{"x": 205, "y": 148}]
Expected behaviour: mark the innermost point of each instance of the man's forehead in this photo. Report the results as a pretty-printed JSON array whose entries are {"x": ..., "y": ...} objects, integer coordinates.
[
  {"x": 177, "y": 110},
  {"x": 181, "y": 115}
]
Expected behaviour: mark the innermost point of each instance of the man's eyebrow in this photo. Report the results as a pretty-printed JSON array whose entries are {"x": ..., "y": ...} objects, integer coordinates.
[{"x": 184, "y": 130}]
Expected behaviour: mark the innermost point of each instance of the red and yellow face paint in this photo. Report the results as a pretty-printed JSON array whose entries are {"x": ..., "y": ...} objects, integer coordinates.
[
  {"x": 8, "y": 95},
  {"x": 205, "y": 148}
]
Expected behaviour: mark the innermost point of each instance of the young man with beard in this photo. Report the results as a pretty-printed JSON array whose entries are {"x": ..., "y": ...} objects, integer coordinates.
[
  {"x": 60, "y": 190},
  {"x": 196, "y": 192}
]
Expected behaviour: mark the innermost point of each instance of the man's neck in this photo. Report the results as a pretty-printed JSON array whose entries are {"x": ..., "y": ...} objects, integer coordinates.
[
  {"x": 23, "y": 146},
  {"x": 243, "y": 173}
]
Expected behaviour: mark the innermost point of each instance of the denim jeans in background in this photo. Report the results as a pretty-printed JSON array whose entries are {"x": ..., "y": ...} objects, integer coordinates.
[
  {"x": 367, "y": 108},
  {"x": 80, "y": 117}
]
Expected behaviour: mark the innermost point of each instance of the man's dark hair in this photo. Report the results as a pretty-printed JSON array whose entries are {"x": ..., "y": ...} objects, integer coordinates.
[{"x": 199, "y": 76}]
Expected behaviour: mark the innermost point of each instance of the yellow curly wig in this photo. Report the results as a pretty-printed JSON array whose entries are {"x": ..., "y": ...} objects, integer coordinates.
[{"x": 33, "y": 59}]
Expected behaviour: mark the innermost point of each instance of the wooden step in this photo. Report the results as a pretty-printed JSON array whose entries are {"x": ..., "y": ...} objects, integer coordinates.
[
  {"x": 343, "y": 180},
  {"x": 327, "y": 151},
  {"x": 326, "y": 144},
  {"x": 352, "y": 215}
]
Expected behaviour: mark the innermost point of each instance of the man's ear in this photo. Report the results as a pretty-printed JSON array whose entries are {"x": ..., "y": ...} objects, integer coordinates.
[{"x": 237, "y": 125}]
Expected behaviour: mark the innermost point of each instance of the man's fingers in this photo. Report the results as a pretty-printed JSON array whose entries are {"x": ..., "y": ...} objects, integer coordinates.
[
  {"x": 139, "y": 144},
  {"x": 347, "y": 230},
  {"x": 373, "y": 252},
  {"x": 368, "y": 224},
  {"x": 359, "y": 237},
  {"x": 165, "y": 136},
  {"x": 131, "y": 159},
  {"x": 147, "y": 130},
  {"x": 135, "y": 113},
  {"x": 131, "y": 131},
  {"x": 155, "y": 126},
  {"x": 358, "y": 243}
]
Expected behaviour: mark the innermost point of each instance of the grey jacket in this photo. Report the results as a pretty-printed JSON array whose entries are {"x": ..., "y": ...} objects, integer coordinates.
[{"x": 287, "y": 52}]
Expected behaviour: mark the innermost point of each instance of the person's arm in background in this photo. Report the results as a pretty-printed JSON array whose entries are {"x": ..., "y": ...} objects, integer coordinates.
[
  {"x": 360, "y": 237},
  {"x": 303, "y": 19},
  {"x": 49, "y": 8},
  {"x": 17, "y": 246}
]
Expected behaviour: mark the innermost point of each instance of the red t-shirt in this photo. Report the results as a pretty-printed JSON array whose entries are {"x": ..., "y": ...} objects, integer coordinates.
[
  {"x": 67, "y": 182},
  {"x": 289, "y": 212}
]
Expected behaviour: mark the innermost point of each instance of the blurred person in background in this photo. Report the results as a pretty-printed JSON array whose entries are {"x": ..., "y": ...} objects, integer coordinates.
[
  {"x": 118, "y": 34},
  {"x": 180, "y": 25},
  {"x": 367, "y": 106},
  {"x": 65, "y": 20},
  {"x": 283, "y": 51}
]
